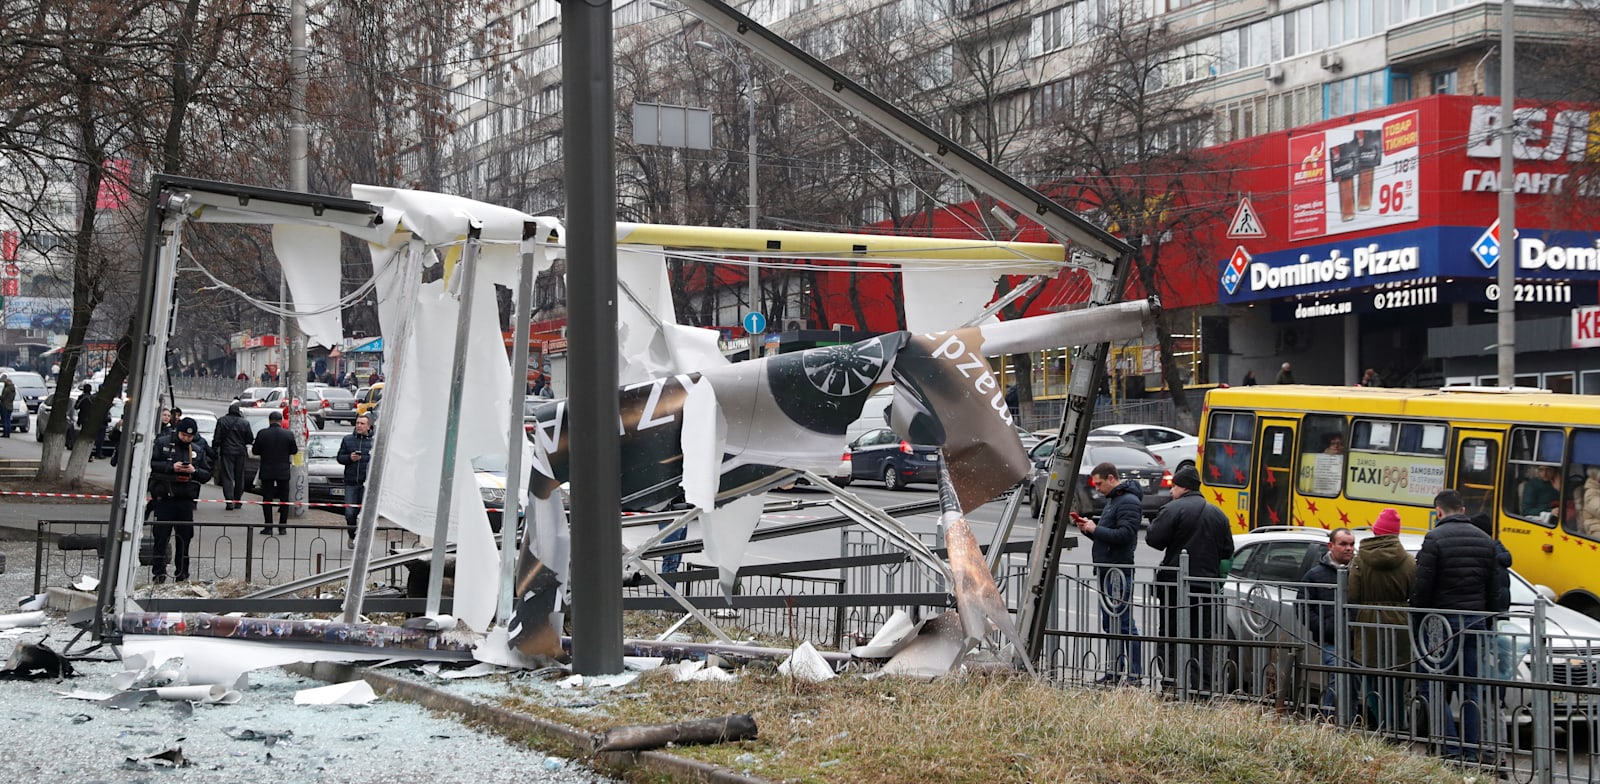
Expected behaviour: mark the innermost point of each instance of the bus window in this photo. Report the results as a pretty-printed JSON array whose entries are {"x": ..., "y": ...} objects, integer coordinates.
[
  {"x": 1585, "y": 468},
  {"x": 1322, "y": 446},
  {"x": 1396, "y": 462},
  {"x": 1229, "y": 439},
  {"x": 1533, "y": 474}
]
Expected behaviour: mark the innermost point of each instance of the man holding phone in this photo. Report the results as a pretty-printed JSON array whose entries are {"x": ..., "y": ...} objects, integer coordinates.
[
  {"x": 178, "y": 467},
  {"x": 1115, "y": 536},
  {"x": 355, "y": 453}
]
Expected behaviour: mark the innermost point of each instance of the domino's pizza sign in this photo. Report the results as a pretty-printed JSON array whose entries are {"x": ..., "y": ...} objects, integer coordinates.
[
  {"x": 1487, "y": 246},
  {"x": 1237, "y": 264}
]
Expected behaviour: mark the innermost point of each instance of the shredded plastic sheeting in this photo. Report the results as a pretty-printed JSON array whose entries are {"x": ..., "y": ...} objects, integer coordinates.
[{"x": 266, "y": 737}]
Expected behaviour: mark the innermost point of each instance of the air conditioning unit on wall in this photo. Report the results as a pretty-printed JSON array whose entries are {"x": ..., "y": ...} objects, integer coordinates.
[
  {"x": 1273, "y": 73},
  {"x": 1293, "y": 340},
  {"x": 795, "y": 324},
  {"x": 1332, "y": 61}
]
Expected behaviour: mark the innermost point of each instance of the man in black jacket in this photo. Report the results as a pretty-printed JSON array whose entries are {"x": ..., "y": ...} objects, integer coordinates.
[
  {"x": 1188, "y": 524},
  {"x": 1319, "y": 600},
  {"x": 178, "y": 467},
  {"x": 1457, "y": 571},
  {"x": 1115, "y": 537},
  {"x": 232, "y": 440},
  {"x": 355, "y": 454},
  {"x": 275, "y": 445}
]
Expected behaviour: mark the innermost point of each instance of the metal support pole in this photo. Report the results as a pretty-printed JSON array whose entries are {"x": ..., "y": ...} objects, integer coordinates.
[
  {"x": 1506, "y": 266},
  {"x": 466, "y": 273},
  {"x": 592, "y": 406},
  {"x": 511, "y": 512},
  {"x": 294, "y": 362},
  {"x": 407, "y": 286}
]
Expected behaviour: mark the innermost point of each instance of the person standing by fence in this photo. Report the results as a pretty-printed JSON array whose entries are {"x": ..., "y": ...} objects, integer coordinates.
[
  {"x": 232, "y": 439},
  {"x": 1319, "y": 605},
  {"x": 1188, "y": 524},
  {"x": 1115, "y": 537},
  {"x": 355, "y": 454},
  {"x": 276, "y": 447},
  {"x": 1382, "y": 575},
  {"x": 8, "y": 399},
  {"x": 1456, "y": 573},
  {"x": 178, "y": 467}
]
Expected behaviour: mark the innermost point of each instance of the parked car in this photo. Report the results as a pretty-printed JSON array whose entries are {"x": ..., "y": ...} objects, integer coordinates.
[
  {"x": 883, "y": 455},
  {"x": 1262, "y": 592},
  {"x": 325, "y": 404},
  {"x": 248, "y": 397},
  {"x": 19, "y": 416},
  {"x": 30, "y": 387},
  {"x": 1175, "y": 447},
  {"x": 324, "y": 473},
  {"x": 368, "y": 398},
  {"x": 1132, "y": 461},
  {"x": 490, "y": 471},
  {"x": 112, "y": 418}
]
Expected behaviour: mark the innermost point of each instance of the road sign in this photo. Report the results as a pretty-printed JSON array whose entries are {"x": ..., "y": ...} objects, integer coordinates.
[
  {"x": 1246, "y": 223},
  {"x": 755, "y": 323}
]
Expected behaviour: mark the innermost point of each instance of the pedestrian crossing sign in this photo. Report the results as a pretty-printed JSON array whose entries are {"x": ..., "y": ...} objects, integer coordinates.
[{"x": 1246, "y": 223}]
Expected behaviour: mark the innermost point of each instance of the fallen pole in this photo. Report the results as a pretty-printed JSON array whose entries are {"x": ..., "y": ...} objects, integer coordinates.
[{"x": 639, "y": 737}]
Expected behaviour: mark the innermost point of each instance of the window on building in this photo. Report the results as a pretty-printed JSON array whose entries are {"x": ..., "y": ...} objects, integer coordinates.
[
  {"x": 1444, "y": 82},
  {"x": 1355, "y": 94}
]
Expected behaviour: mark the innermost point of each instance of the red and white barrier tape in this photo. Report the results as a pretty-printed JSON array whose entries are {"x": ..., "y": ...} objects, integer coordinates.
[{"x": 320, "y": 504}]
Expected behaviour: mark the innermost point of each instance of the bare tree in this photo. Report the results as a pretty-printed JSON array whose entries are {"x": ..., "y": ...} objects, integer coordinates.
[{"x": 1129, "y": 144}]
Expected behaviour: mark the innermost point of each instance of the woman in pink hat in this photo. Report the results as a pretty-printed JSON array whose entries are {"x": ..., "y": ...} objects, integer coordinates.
[{"x": 1382, "y": 575}]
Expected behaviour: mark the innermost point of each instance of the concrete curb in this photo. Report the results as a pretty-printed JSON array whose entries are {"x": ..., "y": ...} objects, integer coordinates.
[{"x": 537, "y": 732}]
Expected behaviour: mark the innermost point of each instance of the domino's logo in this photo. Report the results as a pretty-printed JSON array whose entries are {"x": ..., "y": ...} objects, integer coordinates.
[
  {"x": 1487, "y": 246},
  {"x": 1237, "y": 264}
]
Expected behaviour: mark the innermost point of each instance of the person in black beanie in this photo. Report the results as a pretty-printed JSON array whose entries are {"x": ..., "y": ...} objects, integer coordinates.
[{"x": 1188, "y": 524}]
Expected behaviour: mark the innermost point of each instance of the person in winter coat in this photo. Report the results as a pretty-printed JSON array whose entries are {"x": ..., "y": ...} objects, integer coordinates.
[
  {"x": 275, "y": 444},
  {"x": 1189, "y": 524},
  {"x": 1382, "y": 575},
  {"x": 1318, "y": 609},
  {"x": 1115, "y": 537},
  {"x": 1591, "y": 502},
  {"x": 232, "y": 440},
  {"x": 8, "y": 400},
  {"x": 179, "y": 465},
  {"x": 355, "y": 454},
  {"x": 1457, "y": 571}
]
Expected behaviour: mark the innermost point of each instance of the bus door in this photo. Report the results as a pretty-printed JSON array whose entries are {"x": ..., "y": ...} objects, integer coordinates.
[
  {"x": 1475, "y": 468},
  {"x": 1274, "y": 473}
]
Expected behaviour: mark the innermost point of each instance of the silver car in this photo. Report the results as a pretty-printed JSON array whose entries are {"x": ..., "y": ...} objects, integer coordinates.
[{"x": 1263, "y": 590}]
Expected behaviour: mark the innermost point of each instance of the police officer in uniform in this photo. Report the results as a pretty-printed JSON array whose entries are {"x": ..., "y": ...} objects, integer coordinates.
[{"x": 179, "y": 465}]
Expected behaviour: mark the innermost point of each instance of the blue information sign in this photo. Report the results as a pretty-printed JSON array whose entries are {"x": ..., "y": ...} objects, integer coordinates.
[{"x": 755, "y": 323}]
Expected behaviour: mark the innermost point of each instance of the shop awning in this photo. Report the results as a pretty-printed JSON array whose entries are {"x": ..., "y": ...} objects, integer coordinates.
[{"x": 372, "y": 346}]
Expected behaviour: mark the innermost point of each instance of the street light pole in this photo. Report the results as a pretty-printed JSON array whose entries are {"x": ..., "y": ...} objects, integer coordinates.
[{"x": 748, "y": 82}]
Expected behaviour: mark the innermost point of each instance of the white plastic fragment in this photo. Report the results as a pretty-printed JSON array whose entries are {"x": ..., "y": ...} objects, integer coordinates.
[
  {"x": 891, "y": 637},
  {"x": 357, "y": 692},
  {"x": 693, "y": 670},
  {"x": 641, "y": 663},
  {"x": 475, "y": 671},
  {"x": 31, "y": 603},
  {"x": 22, "y": 619},
  {"x": 86, "y": 583},
  {"x": 806, "y": 664}
]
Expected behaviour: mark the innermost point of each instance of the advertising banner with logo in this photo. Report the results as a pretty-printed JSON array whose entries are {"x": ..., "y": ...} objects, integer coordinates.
[
  {"x": 1396, "y": 207},
  {"x": 1354, "y": 177},
  {"x": 47, "y": 313}
]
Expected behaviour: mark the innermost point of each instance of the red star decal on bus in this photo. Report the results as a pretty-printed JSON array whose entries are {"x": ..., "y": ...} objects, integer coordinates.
[
  {"x": 1272, "y": 479},
  {"x": 1272, "y": 514},
  {"x": 1551, "y": 534},
  {"x": 1343, "y": 517},
  {"x": 1238, "y": 476},
  {"x": 1217, "y": 495},
  {"x": 1311, "y": 505},
  {"x": 1227, "y": 449},
  {"x": 1241, "y": 520},
  {"x": 1322, "y": 523},
  {"x": 1216, "y": 473}
]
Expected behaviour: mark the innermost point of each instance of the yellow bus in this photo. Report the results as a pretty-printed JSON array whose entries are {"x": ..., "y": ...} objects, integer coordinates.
[{"x": 1336, "y": 456}]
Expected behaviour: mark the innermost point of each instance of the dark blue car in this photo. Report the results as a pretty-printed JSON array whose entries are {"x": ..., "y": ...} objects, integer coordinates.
[{"x": 882, "y": 454}]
